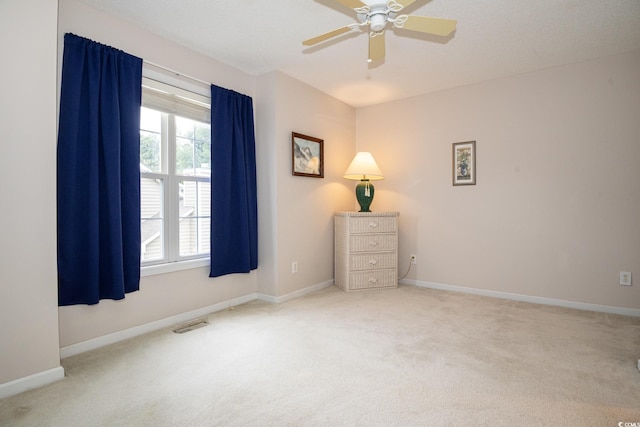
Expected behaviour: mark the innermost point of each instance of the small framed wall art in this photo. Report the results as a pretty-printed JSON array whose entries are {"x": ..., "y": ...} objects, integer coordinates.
[
  {"x": 307, "y": 155},
  {"x": 464, "y": 163}
]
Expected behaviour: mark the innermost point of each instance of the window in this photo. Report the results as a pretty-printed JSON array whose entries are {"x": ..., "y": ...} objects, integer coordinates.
[{"x": 175, "y": 174}]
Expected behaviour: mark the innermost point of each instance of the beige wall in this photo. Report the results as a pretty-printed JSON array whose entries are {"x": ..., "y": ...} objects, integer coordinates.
[
  {"x": 555, "y": 212},
  {"x": 303, "y": 207},
  {"x": 306, "y": 205},
  {"x": 28, "y": 292},
  {"x": 266, "y": 167}
]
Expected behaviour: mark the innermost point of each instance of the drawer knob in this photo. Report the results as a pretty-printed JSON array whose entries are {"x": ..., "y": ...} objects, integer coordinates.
[
  {"x": 373, "y": 224},
  {"x": 373, "y": 280},
  {"x": 373, "y": 261},
  {"x": 373, "y": 243}
]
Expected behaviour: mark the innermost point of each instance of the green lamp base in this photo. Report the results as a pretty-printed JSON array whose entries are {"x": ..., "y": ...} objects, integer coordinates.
[{"x": 364, "y": 194}]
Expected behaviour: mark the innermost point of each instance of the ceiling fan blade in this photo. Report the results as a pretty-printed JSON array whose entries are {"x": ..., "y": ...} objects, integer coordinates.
[
  {"x": 351, "y": 4},
  {"x": 405, "y": 3},
  {"x": 425, "y": 24},
  {"x": 326, "y": 36},
  {"x": 376, "y": 47}
]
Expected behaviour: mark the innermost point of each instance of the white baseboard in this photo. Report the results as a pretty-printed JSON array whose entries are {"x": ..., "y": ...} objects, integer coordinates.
[
  {"x": 92, "y": 344},
  {"x": 296, "y": 294},
  {"x": 526, "y": 298},
  {"x": 31, "y": 382}
]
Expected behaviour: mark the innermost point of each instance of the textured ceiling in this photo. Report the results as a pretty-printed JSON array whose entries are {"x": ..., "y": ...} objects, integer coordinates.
[{"x": 494, "y": 38}]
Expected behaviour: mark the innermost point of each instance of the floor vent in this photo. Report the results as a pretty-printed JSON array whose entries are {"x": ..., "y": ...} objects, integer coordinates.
[{"x": 190, "y": 326}]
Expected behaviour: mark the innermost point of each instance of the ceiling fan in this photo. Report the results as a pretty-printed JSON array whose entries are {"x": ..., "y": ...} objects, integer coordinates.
[{"x": 380, "y": 13}]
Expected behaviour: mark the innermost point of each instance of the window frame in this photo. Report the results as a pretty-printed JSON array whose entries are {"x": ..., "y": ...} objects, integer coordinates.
[{"x": 176, "y": 99}]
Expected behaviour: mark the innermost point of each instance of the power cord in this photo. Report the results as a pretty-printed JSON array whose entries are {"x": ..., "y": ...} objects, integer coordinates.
[{"x": 411, "y": 259}]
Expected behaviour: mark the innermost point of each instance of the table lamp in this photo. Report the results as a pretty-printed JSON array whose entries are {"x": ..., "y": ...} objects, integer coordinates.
[{"x": 363, "y": 167}]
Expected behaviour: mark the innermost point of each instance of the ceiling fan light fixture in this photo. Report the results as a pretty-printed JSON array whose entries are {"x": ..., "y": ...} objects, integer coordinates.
[{"x": 377, "y": 22}]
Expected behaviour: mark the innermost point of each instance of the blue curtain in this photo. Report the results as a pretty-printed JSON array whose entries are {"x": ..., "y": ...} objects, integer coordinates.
[
  {"x": 98, "y": 173},
  {"x": 234, "y": 212}
]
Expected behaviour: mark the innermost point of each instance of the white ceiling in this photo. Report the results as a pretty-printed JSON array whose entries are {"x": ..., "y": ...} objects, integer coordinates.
[{"x": 494, "y": 38}]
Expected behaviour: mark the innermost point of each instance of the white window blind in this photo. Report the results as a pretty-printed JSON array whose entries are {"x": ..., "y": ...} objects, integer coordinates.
[{"x": 173, "y": 100}]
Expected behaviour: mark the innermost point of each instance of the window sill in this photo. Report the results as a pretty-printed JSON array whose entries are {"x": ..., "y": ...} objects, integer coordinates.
[{"x": 152, "y": 270}]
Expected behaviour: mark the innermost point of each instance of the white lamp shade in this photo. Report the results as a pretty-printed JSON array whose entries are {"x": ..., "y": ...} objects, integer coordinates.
[{"x": 363, "y": 166}]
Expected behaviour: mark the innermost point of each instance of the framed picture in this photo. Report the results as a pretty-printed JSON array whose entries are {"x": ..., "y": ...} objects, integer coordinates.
[
  {"x": 307, "y": 155},
  {"x": 464, "y": 163}
]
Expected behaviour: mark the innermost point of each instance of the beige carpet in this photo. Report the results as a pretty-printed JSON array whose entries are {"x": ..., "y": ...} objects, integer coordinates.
[{"x": 405, "y": 357}]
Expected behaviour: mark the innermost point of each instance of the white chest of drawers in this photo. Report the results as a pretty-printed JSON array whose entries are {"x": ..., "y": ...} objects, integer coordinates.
[{"x": 366, "y": 250}]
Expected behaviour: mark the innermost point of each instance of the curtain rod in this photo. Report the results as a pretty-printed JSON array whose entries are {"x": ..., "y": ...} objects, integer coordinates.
[{"x": 176, "y": 73}]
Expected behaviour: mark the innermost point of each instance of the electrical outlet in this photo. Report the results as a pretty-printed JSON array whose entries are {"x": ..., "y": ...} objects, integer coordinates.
[
  {"x": 294, "y": 267},
  {"x": 625, "y": 278},
  {"x": 414, "y": 259}
]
